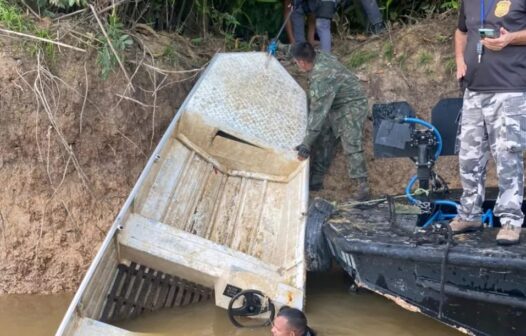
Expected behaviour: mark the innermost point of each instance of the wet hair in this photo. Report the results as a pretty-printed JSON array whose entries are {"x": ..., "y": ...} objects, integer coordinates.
[
  {"x": 297, "y": 320},
  {"x": 304, "y": 51}
]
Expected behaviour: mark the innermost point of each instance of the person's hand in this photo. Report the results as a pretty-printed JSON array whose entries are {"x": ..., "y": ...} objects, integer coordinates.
[
  {"x": 461, "y": 68},
  {"x": 303, "y": 152},
  {"x": 500, "y": 42}
]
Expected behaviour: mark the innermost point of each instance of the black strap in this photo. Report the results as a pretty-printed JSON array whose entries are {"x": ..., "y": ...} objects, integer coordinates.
[{"x": 443, "y": 270}]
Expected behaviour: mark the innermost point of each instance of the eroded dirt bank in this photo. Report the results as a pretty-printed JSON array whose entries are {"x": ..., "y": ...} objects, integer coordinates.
[{"x": 71, "y": 149}]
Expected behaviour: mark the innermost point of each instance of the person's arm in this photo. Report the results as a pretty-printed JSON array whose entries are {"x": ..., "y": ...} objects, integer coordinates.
[
  {"x": 506, "y": 38},
  {"x": 287, "y": 8},
  {"x": 518, "y": 38},
  {"x": 461, "y": 40}
]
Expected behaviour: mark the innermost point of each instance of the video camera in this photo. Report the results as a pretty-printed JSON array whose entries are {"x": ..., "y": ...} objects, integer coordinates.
[{"x": 396, "y": 134}]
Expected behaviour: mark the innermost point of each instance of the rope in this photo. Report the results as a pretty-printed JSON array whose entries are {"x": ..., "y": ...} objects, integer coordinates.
[
  {"x": 418, "y": 192},
  {"x": 273, "y": 45}
]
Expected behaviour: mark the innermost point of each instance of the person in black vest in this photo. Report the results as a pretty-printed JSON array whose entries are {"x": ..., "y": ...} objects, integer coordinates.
[
  {"x": 490, "y": 53},
  {"x": 311, "y": 24},
  {"x": 320, "y": 13},
  {"x": 323, "y": 11}
]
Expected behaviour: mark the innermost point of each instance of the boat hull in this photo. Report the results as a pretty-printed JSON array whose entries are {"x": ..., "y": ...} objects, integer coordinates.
[{"x": 484, "y": 286}]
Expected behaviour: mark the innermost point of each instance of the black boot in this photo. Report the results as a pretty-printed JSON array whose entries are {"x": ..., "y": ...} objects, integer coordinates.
[{"x": 377, "y": 28}]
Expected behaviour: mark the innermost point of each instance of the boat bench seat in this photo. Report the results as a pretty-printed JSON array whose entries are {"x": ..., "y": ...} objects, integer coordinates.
[{"x": 173, "y": 251}]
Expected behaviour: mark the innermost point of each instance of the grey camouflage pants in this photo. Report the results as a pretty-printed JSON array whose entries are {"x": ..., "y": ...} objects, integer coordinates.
[{"x": 493, "y": 123}]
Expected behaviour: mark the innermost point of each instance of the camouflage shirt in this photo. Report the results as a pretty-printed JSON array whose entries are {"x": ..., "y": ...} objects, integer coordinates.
[{"x": 331, "y": 87}]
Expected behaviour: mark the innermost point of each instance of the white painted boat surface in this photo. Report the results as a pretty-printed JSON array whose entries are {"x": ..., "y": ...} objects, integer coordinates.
[{"x": 222, "y": 200}]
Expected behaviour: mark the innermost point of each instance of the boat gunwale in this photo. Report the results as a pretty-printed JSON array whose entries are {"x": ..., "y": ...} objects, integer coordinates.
[
  {"x": 413, "y": 252},
  {"x": 110, "y": 236}
]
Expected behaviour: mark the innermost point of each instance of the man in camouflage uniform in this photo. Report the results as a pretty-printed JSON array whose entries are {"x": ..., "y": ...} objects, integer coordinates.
[
  {"x": 494, "y": 112},
  {"x": 337, "y": 110}
]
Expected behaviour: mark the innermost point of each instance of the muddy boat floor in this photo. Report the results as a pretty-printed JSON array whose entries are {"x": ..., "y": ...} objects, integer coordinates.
[{"x": 364, "y": 224}]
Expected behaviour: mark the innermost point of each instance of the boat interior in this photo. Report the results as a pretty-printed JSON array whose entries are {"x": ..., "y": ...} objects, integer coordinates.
[{"x": 214, "y": 211}]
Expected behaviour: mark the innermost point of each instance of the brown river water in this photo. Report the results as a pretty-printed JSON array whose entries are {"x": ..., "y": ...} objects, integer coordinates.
[{"x": 331, "y": 310}]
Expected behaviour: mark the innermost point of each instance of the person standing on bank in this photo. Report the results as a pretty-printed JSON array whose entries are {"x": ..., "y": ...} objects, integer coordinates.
[
  {"x": 323, "y": 11},
  {"x": 320, "y": 14},
  {"x": 490, "y": 52},
  {"x": 311, "y": 23},
  {"x": 337, "y": 110}
]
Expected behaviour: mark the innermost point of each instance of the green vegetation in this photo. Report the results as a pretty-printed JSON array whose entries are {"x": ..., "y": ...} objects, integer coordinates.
[
  {"x": 443, "y": 38},
  {"x": 226, "y": 22},
  {"x": 450, "y": 65},
  {"x": 451, "y": 4},
  {"x": 232, "y": 18},
  {"x": 48, "y": 49},
  {"x": 239, "y": 21},
  {"x": 424, "y": 58},
  {"x": 401, "y": 59},
  {"x": 169, "y": 55},
  {"x": 106, "y": 58},
  {"x": 388, "y": 51},
  {"x": 411, "y": 10},
  {"x": 11, "y": 17},
  {"x": 360, "y": 57}
]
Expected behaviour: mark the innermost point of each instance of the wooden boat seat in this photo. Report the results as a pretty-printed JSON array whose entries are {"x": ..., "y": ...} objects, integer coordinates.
[{"x": 173, "y": 251}]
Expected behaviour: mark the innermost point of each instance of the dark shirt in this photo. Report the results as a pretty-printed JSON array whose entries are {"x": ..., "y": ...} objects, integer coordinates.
[{"x": 498, "y": 71}]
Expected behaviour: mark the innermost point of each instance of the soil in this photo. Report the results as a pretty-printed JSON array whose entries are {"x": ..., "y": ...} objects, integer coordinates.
[
  {"x": 68, "y": 163},
  {"x": 55, "y": 207}
]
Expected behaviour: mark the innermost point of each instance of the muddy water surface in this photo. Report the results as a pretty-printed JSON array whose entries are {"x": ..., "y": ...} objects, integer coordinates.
[
  {"x": 331, "y": 310},
  {"x": 34, "y": 315}
]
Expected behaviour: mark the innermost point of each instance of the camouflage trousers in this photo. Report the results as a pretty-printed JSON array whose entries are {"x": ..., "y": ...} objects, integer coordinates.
[
  {"x": 491, "y": 124},
  {"x": 348, "y": 128}
]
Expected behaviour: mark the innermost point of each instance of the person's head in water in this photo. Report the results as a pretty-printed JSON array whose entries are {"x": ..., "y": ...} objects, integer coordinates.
[
  {"x": 304, "y": 55},
  {"x": 291, "y": 322}
]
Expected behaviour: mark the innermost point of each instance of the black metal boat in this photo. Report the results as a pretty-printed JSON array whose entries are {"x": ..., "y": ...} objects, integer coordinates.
[{"x": 401, "y": 248}]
